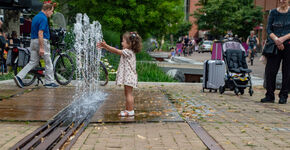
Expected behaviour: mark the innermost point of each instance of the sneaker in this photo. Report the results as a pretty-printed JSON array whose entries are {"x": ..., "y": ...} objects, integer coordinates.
[
  {"x": 267, "y": 100},
  {"x": 18, "y": 82},
  {"x": 51, "y": 85}
]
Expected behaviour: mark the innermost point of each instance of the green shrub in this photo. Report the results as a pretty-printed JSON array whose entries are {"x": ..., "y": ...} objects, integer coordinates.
[
  {"x": 69, "y": 39},
  {"x": 112, "y": 38},
  {"x": 8, "y": 76},
  {"x": 150, "y": 72},
  {"x": 147, "y": 72},
  {"x": 166, "y": 46},
  {"x": 143, "y": 55}
]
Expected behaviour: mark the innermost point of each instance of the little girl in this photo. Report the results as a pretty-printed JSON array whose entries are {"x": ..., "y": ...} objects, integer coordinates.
[{"x": 126, "y": 74}]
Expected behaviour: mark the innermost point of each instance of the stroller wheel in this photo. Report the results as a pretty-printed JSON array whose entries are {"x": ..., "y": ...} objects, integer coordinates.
[
  {"x": 236, "y": 91},
  {"x": 221, "y": 89},
  {"x": 242, "y": 91},
  {"x": 251, "y": 92}
]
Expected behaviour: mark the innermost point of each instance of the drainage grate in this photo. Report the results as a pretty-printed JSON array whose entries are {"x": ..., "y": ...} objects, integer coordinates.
[
  {"x": 59, "y": 133},
  {"x": 207, "y": 139}
]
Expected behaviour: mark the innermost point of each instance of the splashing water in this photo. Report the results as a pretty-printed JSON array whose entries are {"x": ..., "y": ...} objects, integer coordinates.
[{"x": 87, "y": 96}]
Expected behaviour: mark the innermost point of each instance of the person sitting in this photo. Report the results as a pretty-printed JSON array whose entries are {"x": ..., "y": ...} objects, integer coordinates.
[
  {"x": 179, "y": 47},
  {"x": 172, "y": 53}
]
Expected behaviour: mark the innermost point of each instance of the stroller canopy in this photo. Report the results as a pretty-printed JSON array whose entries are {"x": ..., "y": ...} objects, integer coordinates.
[{"x": 233, "y": 45}]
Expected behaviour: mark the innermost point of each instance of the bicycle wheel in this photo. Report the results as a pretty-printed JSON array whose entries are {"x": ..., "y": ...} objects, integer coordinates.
[
  {"x": 28, "y": 79},
  {"x": 103, "y": 77},
  {"x": 63, "y": 69}
]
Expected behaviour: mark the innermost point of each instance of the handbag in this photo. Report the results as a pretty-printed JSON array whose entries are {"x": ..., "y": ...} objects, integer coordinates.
[{"x": 269, "y": 49}]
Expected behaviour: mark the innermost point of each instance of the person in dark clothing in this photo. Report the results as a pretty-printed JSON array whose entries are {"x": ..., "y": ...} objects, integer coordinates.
[
  {"x": 3, "y": 46},
  {"x": 252, "y": 42},
  {"x": 14, "y": 42},
  {"x": 185, "y": 46},
  {"x": 278, "y": 29}
]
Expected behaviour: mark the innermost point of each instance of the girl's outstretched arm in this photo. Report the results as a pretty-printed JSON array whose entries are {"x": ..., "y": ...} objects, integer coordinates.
[{"x": 109, "y": 48}]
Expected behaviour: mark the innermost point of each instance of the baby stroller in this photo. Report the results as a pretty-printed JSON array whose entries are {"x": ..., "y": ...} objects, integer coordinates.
[{"x": 237, "y": 76}]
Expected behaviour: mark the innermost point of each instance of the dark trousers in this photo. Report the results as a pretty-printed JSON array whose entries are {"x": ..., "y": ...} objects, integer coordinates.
[{"x": 272, "y": 68}]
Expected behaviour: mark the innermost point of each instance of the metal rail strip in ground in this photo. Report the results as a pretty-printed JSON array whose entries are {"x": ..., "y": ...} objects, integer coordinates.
[
  {"x": 59, "y": 133},
  {"x": 205, "y": 137}
]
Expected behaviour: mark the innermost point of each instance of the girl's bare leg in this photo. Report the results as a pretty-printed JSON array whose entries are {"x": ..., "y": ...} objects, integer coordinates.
[{"x": 129, "y": 98}]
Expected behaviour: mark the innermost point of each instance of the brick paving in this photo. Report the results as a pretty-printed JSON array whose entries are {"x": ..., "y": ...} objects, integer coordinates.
[
  {"x": 153, "y": 136},
  {"x": 12, "y": 132},
  {"x": 235, "y": 122}
]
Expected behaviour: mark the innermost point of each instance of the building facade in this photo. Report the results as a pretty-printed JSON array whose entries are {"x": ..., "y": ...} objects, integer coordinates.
[{"x": 189, "y": 10}]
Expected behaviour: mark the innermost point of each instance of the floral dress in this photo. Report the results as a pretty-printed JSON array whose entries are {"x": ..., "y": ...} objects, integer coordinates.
[{"x": 126, "y": 74}]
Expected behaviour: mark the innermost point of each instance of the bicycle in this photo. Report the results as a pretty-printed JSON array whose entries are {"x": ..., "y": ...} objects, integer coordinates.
[
  {"x": 252, "y": 56},
  {"x": 64, "y": 66}
]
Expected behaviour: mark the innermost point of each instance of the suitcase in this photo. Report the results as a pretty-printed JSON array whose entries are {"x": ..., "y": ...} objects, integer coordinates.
[
  {"x": 213, "y": 75},
  {"x": 217, "y": 53}
]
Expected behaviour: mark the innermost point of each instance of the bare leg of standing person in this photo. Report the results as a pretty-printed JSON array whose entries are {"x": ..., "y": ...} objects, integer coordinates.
[{"x": 129, "y": 98}]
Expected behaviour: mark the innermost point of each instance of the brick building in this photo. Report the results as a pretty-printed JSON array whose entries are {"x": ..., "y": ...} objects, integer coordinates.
[{"x": 189, "y": 9}]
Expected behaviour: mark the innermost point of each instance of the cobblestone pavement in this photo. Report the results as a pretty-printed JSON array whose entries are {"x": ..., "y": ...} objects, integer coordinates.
[
  {"x": 155, "y": 136},
  {"x": 12, "y": 132},
  {"x": 236, "y": 122}
]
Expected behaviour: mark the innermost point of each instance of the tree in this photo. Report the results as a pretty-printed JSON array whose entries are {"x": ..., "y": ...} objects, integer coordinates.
[
  {"x": 12, "y": 21},
  {"x": 219, "y": 16},
  {"x": 147, "y": 17},
  {"x": 183, "y": 29}
]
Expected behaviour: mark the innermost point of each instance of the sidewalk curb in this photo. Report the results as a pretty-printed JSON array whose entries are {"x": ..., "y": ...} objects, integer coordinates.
[{"x": 7, "y": 81}]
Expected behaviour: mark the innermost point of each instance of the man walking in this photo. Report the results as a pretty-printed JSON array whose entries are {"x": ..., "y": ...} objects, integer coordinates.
[{"x": 40, "y": 47}]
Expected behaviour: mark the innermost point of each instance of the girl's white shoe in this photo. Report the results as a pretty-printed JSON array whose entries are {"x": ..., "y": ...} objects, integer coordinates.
[{"x": 127, "y": 113}]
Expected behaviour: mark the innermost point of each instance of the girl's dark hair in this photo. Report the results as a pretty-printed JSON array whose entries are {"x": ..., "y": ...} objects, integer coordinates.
[{"x": 134, "y": 40}]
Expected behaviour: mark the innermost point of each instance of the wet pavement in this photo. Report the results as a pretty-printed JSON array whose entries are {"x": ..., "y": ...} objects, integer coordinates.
[
  {"x": 150, "y": 105},
  {"x": 41, "y": 104}
]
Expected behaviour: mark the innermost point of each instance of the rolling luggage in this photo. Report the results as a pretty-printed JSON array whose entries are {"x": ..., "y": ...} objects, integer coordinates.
[{"x": 213, "y": 75}]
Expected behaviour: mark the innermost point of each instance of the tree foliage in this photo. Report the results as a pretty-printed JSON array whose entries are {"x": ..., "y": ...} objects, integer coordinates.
[
  {"x": 147, "y": 17},
  {"x": 218, "y": 16}
]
